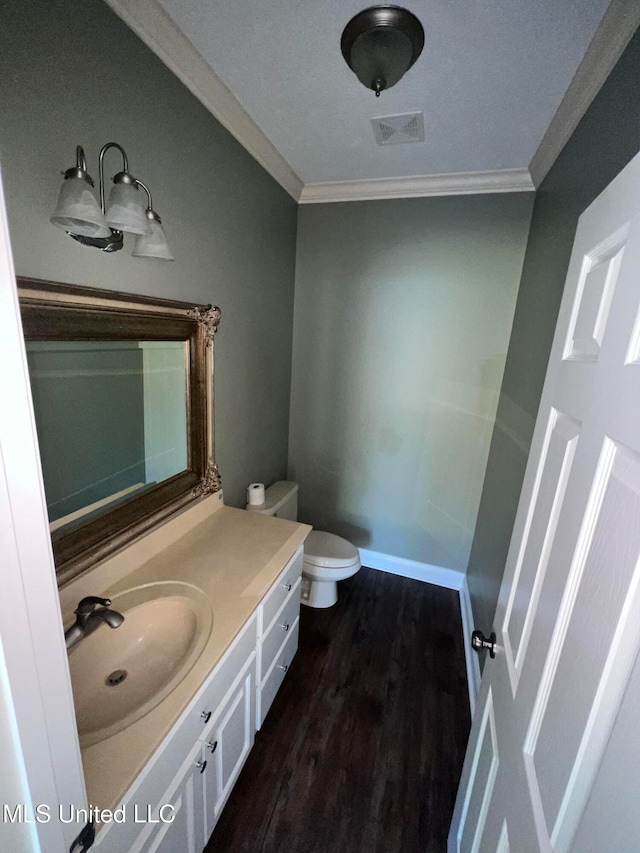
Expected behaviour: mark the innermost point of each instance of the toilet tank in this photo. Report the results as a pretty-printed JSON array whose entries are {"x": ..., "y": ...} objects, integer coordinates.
[{"x": 280, "y": 499}]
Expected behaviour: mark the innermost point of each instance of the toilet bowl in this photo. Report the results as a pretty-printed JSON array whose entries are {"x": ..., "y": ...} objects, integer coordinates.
[{"x": 327, "y": 558}]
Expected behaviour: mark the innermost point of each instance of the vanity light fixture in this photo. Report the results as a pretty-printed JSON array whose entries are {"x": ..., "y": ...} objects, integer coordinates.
[
  {"x": 93, "y": 223},
  {"x": 380, "y": 44}
]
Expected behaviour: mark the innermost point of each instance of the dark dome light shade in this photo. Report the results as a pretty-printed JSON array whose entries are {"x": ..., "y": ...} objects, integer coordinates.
[{"x": 381, "y": 44}]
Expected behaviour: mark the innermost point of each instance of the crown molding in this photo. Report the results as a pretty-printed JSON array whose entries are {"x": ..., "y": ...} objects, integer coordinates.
[
  {"x": 618, "y": 25},
  {"x": 157, "y": 30},
  {"x": 455, "y": 183}
]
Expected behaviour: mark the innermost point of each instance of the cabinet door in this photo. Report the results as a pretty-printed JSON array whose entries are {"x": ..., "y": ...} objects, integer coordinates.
[
  {"x": 232, "y": 735},
  {"x": 175, "y": 824}
]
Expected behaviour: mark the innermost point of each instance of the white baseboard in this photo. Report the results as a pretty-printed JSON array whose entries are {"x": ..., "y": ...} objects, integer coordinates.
[
  {"x": 438, "y": 575},
  {"x": 471, "y": 657},
  {"x": 449, "y": 578}
]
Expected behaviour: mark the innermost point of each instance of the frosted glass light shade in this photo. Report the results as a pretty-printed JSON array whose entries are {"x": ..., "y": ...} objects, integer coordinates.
[
  {"x": 154, "y": 244},
  {"x": 125, "y": 210},
  {"x": 78, "y": 210}
]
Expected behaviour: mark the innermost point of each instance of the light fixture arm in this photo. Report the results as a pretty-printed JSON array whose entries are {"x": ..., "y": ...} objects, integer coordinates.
[
  {"x": 81, "y": 160},
  {"x": 148, "y": 192},
  {"x": 80, "y": 169},
  {"x": 151, "y": 214},
  {"x": 124, "y": 176}
]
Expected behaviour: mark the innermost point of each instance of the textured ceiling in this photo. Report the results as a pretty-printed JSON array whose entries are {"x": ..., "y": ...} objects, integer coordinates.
[{"x": 489, "y": 80}]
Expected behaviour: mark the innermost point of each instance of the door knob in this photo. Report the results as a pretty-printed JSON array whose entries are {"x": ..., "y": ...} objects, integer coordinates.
[{"x": 479, "y": 641}]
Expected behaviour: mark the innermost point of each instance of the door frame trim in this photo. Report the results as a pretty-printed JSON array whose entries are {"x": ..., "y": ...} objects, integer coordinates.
[{"x": 34, "y": 671}]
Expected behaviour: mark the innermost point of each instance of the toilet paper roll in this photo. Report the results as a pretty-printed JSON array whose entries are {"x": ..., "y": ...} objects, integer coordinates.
[{"x": 255, "y": 494}]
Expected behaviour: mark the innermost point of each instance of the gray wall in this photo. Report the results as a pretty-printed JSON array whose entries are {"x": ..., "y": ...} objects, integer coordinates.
[
  {"x": 602, "y": 144},
  {"x": 403, "y": 311},
  {"x": 72, "y": 73}
]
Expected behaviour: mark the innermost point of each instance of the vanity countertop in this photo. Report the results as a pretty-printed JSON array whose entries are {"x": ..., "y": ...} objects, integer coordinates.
[{"x": 233, "y": 556}]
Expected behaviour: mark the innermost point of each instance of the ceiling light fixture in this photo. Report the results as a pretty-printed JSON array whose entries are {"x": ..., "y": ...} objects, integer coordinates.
[
  {"x": 101, "y": 226},
  {"x": 381, "y": 44}
]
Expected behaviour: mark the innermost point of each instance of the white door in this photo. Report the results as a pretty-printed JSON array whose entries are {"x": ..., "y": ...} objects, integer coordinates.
[
  {"x": 40, "y": 757},
  {"x": 568, "y": 617}
]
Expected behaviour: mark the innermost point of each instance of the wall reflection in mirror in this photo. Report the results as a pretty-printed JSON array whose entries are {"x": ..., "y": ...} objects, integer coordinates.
[
  {"x": 111, "y": 419},
  {"x": 122, "y": 389}
]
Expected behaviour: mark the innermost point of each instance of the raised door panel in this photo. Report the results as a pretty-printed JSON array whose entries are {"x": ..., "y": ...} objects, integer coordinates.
[
  {"x": 483, "y": 776},
  {"x": 554, "y": 469},
  {"x": 178, "y": 834},
  {"x": 175, "y": 824},
  {"x": 593, "y": 300},
  {"x": 597, "y": 635},
  {"x": 235, "y": 735}
]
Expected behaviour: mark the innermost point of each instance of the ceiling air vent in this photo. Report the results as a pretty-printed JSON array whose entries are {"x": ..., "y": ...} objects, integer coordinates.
[{"x": 398, "y": 130}]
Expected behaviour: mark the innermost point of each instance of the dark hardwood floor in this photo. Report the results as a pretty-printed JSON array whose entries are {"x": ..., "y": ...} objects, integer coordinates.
[{"x": 362, "y": 749}]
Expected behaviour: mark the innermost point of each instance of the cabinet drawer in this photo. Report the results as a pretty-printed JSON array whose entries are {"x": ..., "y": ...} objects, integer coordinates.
[
  {"x": 274, "y": 679},
  {"x": 279, "y": 630},
  {"x": 275, "y": 598}
]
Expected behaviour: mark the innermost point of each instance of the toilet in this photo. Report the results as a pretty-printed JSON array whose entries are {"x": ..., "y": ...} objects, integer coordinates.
[{"x": 327, "y": 558}]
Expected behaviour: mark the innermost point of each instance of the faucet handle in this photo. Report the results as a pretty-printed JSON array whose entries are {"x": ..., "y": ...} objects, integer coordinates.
[{"x": 86, "y": 605}]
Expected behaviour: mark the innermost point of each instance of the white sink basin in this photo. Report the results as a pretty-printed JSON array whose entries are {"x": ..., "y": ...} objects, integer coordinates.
[{"x": 120, "y": 674}]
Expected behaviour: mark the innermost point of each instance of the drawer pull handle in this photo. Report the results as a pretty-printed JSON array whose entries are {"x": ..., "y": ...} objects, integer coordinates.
[
  {"x": 206, "y": 716},
  {"x": 201, "y": 765},
  {"x": 285, "y": 627},
  {"x": 285, "y": 666},
  {"x": 287, "y": 586},
  {"x": 213, "y": 745}
]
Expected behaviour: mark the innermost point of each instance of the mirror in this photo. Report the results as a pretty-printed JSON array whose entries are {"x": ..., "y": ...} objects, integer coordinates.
[{"x": 122, "y": 391}]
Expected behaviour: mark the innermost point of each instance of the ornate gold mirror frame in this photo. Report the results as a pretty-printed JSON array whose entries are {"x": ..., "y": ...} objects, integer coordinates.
[{"x": 61, "y": 312}]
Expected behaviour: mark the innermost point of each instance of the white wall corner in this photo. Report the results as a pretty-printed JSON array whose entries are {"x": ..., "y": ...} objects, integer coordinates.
[
  {"x": 418, "y": 186},
  {"x": 471, "y": 657},
  {"x": 413, "y": 569},
  {"x": 618, "y": 25},
  {"x": 157, "y": 30}
]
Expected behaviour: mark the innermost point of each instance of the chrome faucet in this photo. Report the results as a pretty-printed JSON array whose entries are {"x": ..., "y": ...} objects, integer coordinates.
[{"x": 88, "y": 619}]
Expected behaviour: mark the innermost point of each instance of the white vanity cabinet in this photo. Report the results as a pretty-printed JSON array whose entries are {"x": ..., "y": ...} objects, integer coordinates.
[
  {"x": 176, "y": 800},
  {"x": 278, "y": 618},
  {"x": 201, "y": 757}
]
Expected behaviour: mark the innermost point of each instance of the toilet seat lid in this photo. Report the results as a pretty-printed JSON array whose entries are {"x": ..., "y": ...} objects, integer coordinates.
[{"x": 326, "y": 549}]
